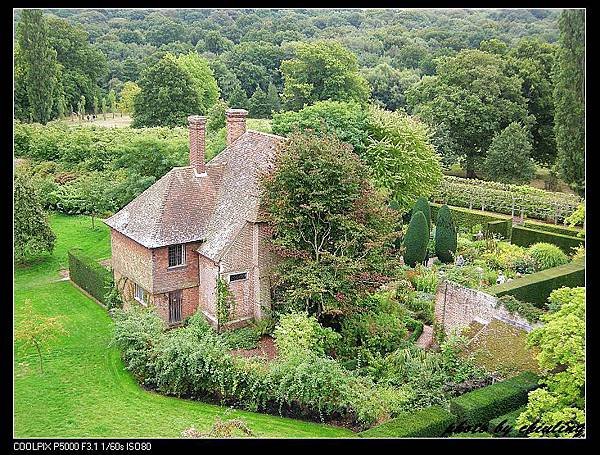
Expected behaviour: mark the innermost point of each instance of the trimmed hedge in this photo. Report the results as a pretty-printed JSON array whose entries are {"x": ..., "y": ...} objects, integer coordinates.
[
  {"x": 480, "y": 406},
  {"x": 536, "y": 288},
  {"x": 503, "y": 228},
  {"x": 504, "y": 425},
  {"x": 467, "y": 218},
  {"x": 523, "y": 236},
  {"x": 89, "y": 275},
  {"x": 555, "y": 228},
  {"x": 430, "y": 422}
]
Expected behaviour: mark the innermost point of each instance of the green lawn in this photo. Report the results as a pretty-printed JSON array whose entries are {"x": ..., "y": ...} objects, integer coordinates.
[{"x": 85, "y": 391}]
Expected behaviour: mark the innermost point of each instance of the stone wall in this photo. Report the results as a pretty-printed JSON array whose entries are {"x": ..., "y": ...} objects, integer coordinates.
[{"x": 457, "y": 306}]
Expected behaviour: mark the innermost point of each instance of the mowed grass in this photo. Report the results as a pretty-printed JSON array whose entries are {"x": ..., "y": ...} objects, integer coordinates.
[{"x": 85, "y": 390}]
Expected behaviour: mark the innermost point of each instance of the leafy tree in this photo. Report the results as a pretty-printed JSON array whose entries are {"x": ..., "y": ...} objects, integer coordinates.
[
  {"x": 532, "y": 61},
  {"x": 93, "y": 190},
  {"x": 389, "y": 85},
  {"x": 416, "y": 240},
  {"x": 167, "y": 96},
  {"x": 569, "y": 98},
  {"x": 238, "y": 98},
  {"x": 322, "y": 70},
  {"x": 104, "y": 107},
  {"x": 32, "y": 233},
  {"x": 471, "y": 97},
  {"x": 273, "y": 99},
  {"x": 95, "y": 105},
  {"x": 128, "y": 94},
  {"x": 332, "y": 229},
  {"x": 36, "y": 331},
  {"x": 422, "y": 205},
  {"x": 401, "y": 157},
  {"x": 508, "y": 159},
  {"x": 111, "y": 100},
  {"x": 81, "y": 107},
  {"x": 38, "y": 65},
  {"x": 561, "y": 344},
  {"x": 494, "y": 46},
  {"x": 445, "y": 235},
  {"x": 217, "y": 116},
  {"x": 216, "y": 43},
  {"x": 202, "y": 78},
  {"x": 258, "y": 106}
]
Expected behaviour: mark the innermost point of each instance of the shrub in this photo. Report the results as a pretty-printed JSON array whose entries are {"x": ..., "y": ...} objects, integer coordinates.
[
  {"x": 547, "y": 256},
  {"x": 445, "y": 235},
  {"x": 89, "y": 275},
  {"x": 416, "y": 240},
  {"x": 480, "y": 406},
  {"x": 564, "y": 295},
  {"x": 524, "y": 309},
  {"x": 536, "y": 288},
  {"x": 426, "y": 423},
  {"x": 298, "y": 333},
  {"x": 505, "y": 425},
  {"x": 422, "y": 205},
  {"x": 243, "y": 338}
]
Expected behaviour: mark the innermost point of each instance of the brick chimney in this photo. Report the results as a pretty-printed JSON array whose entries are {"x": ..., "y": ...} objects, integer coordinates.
[
  {"x": 197, "y": 127},
  {"x": 236, "y": 124}
]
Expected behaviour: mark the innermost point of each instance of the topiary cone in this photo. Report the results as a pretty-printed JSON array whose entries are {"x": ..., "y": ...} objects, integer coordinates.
[
  {"x": 445, "y": 235},
  {"x": 422, "y": 205},
  {"x": 416, "y": 240}
]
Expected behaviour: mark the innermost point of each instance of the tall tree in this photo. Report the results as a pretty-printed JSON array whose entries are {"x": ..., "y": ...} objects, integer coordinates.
[
  {"x": 322, "y": 70},
  {"x": 39, "y": 64},
  {"x": 202, "y": 76},
  {"x": 167, "y": 96},
  {"x": 128, "y": 94},
  {"x": 112, "y": 102},
  {"x": 569, "y": 99},
  {"x": 471, "y": 97},
  {"x": 508, "y": 159}
]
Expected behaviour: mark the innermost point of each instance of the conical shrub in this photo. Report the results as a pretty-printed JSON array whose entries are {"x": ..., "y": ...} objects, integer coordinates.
[
  {"x": 416, "y": 240},
  {"x": 445, "y": 235},
  {"x": 422, "y": 205}
]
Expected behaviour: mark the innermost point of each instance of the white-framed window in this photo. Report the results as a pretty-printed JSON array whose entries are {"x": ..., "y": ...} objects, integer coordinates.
[
  {"x": 140, "y": 294},
  {"x": 176, "y": 255},
  {"x": 238, "y": 276}
]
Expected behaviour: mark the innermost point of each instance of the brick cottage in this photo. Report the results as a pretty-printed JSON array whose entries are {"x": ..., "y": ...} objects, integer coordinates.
[{"x": 197, "y": 224}]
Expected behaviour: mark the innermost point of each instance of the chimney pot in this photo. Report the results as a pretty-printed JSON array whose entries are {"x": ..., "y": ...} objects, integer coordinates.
[
  {"x": 197, "y": 128},
  {"x": 236, "y": 124}
]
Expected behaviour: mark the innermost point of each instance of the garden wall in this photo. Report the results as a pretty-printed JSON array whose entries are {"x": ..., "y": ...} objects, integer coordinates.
[{"x": 457, "y": 306}]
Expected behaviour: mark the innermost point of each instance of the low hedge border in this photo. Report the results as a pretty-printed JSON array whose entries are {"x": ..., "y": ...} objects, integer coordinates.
[
  {"x": 467, "y": 218},
  {"x": 523, "y": 236},
  {"x": 536, "y": 288},
  {"x": 504, "y": 425},
  {"x": 503, "y": 228},
  {"x": 478, "y": 407},
  {"x": 89, "y": 275},
  {"x": 555, "y": 228},
  {"x": 429, "y": 422}
]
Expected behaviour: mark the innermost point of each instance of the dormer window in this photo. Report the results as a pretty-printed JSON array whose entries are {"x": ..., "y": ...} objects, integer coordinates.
[{"x": 176, "y": 255}]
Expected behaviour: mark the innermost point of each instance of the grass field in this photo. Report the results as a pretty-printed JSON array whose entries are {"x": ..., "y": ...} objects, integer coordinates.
[{"x": 85, "y": 391}]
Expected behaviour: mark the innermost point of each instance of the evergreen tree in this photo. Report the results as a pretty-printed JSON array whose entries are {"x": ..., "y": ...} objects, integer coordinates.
[
  {"x": 39, "y": 64},
  {"x": 422, "y": 205},
  {"x": 569, "y": 99},
  {"x": 445, "y": 235},
  {"x": 238, "y": 98},
  {"x": 416, "y": 240}
]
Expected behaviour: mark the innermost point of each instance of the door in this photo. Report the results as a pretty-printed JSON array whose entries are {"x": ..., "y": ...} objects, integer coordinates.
[{"x": 175, "y": 306}]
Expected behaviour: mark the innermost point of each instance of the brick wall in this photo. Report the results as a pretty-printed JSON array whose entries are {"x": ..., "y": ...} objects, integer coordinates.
[
  {"x": 169, "y": 279},
  {"x": 189, "y": 304},
  {"x": 457, "y": 306},
  {"x": 131, "y": 259}
]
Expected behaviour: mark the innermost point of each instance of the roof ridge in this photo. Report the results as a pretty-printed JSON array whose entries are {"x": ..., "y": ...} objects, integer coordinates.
[{"x": 276, "y": 136}]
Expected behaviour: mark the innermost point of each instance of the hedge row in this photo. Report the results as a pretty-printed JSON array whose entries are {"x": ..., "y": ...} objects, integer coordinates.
[
  {"x": 555, "y": 228},
  {"x": 467, "y": 218},
  {"x": 536, "y": 288},
  {"x": 480, "y": 406},
  {"x": 89, "y": 275},
  {"x": 502, "y": 228},
  {"x": 429, "y": 422},
  {"x": 523, "y": 236},
  {"x": 504, "y": 425}
]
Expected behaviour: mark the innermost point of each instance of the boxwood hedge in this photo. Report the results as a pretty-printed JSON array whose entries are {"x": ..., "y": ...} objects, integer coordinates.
[
  {"x": 89, "y": 275},
  {"x": 523, "y": 236},
  {"x": 429, "y": 422},
  {"x": 555, "y": 228},
  {"x": 504, "y": 425},
  {"x": 480, "y": 406},
  {"x": 536, "y": 288}
]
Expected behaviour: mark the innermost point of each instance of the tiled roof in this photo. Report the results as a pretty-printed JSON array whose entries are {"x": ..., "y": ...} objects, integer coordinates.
[{"x": 183, "y": 207}]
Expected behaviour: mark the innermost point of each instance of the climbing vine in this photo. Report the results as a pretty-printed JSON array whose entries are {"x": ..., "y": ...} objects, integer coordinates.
[{"x": 225, "y": 301}]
